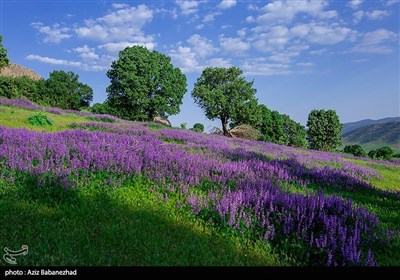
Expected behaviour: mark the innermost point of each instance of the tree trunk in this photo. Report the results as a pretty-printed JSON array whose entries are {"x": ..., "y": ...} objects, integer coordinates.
[{"x": 224, "y": 124}]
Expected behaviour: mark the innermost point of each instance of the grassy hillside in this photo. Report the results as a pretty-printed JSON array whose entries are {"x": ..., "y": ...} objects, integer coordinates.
[
  {"x": 375, "y": 135},
  {"x": 95, "y": 193}
]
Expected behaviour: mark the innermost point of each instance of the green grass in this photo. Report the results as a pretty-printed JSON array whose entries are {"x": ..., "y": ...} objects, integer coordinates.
[
  {"x": 389, "y": 179},
  {"x": 18, "y": 117},
  {"x": 124, "y": 226}
]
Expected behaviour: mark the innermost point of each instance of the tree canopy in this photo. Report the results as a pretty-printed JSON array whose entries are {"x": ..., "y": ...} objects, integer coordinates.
[
  {"x": 3, "y": 54},
  {"x": 222, "y": 93},
  {"x": 324, "y": 130},
  {"x": 144, "y": 84},
  {"x": 63, "y": 89}
]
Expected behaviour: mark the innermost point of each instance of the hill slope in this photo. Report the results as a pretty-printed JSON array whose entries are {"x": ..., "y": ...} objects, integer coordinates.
[
  {"x": 15, "y": 70},
  {"x": 378, "y": 134},
  {"x": 347, "y": 127}
]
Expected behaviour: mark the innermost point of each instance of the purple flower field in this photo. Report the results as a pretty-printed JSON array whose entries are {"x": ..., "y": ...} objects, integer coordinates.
[{"x": 235, "y": 183}]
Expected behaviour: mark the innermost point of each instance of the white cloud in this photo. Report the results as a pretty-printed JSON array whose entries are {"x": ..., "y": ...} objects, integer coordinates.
[
  {"x": 53, "y": 61},
  {"x": 358, "y": 16},
  {"x": 241, "y": 32},
  {"x": 354, "y": 4},
  {"x": 377, "y": 14},
  {"x": 121, "y": 25},
  {"x": 201, "y": 46},
  {"x": 285, "y": 57},
  {"x": 199, "y": 26},
  {"x": 322, "y": 33},
  {"x": 116, "y": 47},
  {"x": 392, "y": 2},
  {"x": 210, "y": 17},
  {"x": 250, "y": 19},
  {"x": 188, "y": 7},
  {"x": 259, "y": 67},
  {"x": 53, "y": 34},
  {"x": 219, "y": 62},
  {"x": 285, "y": 11},
  {"x": 328, "y": 14},
  {"x": 226, "y": 4},
  {"x": 305, "y": 64},
  {"x": 185, "y": 58},
  {"x": 234, "y": 45},
  {"x": 86, "y": 53},
  {"x": 119, "y": 5},
  {"x": 318, "y": 52},
  {"x": 376, "y": 42},
  {"x": 276, "y": 38}
]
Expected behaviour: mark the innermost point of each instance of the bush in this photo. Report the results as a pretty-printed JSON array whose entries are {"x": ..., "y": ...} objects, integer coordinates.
[
  {"x": 40, "y": 119},
  {"x": 183, "y": 125},
  {"x": 198, "y": 127},
  {"x": 384, "y": 153},
  {"x": 355, "y": 150},
  {"x": 17, "y": 87}
]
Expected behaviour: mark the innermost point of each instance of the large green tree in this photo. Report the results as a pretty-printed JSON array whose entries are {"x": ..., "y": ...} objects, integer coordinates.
[
  {"x": 63, "y": 89},
  {"x": 324, "y": 130},
  {"x": 222, "y": 93},
  {"x": 3, "y": 55},
  {"x": 295, "y": 133},
  {"x": 144, "y": 84}
]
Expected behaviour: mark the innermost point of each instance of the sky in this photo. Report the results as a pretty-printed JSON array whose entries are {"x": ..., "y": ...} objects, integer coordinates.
[{"x": 302, "y": 55}]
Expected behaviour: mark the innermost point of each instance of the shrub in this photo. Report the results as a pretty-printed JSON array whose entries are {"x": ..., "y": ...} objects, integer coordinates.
[
  {"x": 355, "y": 150},
  {"x": 198, "y": 127},
  {"x": 384, "y": 153},
  {"x": 40, "y": 119}
]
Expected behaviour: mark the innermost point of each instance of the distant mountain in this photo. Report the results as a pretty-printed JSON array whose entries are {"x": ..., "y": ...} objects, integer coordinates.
[
  {"x": 354, "y": 125},
  {"x": 15, "y": 70},
  {"x": 378, "y": 134}
]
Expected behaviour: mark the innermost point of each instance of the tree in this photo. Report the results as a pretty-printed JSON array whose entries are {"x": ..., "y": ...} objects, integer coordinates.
[
  {"x": 144, "y": 84},
  {"x": 355, "y": 150},
  {"x": 295, "y": 133},
  {"x": 63, "y": 89},
  {"x": 372, "y": 154},
  {"x": 324, "y": 130},
  {"x": 198, "y": 127},
  {"x": 3, "y": 55},
  {"x": 222, "y": 93},
  {"x": 100, "y": 108},
  {"x": 384, "y": 153}
]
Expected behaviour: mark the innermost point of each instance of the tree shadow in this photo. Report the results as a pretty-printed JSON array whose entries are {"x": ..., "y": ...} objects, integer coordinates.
[{"x": 112, "y": 229}]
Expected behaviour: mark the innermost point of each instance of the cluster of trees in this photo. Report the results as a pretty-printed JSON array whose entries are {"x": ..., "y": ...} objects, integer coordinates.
[
  {"x": 62, "y": 89},
  {"x": 385, "y": 152},
  {"x": 144, "y": 84}
]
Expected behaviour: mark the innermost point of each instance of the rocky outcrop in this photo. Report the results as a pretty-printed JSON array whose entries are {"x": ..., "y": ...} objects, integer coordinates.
[
  {"x": 162, "y": 121},
  {"x": 15, "y": 70}
]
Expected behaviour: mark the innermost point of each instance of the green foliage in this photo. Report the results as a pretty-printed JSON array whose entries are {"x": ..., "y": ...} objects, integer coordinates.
[
  {"x": 355, "y": 150},
  {"x": 40, "y": 119},
  {"x": 385, "y": 153},
  {"x": 273, "y": 127},
  {"x": 100, "y": 108},
  {"x": 183, "y": 125},
  {"x": 144, "y": 84},
  {"x": 17, "y": 87},
  {"x": 372, "y": 154},
  {"x": 295, "y": 133},
  {"x": 3, "y": 54},
  {"x": 223, "y": 94},
  {"x": 63, "y": 89},
  {"x": 324, "y": 130},
  {"x": 198, "y": 127}
]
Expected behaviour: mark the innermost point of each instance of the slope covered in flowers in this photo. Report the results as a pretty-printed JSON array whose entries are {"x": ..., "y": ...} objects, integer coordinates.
[{"x": 262, "y": 191}]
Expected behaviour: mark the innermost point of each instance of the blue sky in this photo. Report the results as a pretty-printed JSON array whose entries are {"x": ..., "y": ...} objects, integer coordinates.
[{"x": 302, "y": 55}]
